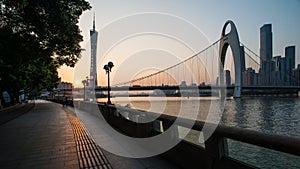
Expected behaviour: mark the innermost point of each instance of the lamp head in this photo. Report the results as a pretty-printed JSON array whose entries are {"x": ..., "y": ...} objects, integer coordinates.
[
  {"x": 110, "y": 64},
  {"x": 106, "y": 67}
]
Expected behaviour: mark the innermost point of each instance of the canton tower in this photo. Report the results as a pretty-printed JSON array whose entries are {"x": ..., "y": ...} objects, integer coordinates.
[{"x": 93, "y": 69}]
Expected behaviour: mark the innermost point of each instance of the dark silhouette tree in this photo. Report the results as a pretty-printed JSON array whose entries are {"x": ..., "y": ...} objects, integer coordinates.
[{"x": 36, "y": 38}]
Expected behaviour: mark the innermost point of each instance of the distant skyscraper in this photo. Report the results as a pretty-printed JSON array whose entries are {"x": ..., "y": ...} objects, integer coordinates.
[
  {"x": 296, "y": 77},
  {"x": 266, "y": 42},
  {"x": 279, "y": 71},
  {"x": 266, "y": 54},
  {"x": 228, "y": 77},
  {"x": 290, "y": 62},
  {"x": 250, "y": 78},
  {"x": 93, "y": 68},
  {"x": 290, "y": 55}
]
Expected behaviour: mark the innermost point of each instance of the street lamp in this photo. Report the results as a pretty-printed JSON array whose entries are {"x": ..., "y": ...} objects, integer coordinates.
[
  {"x": 107, "y": 69},
  {"x": 85, "y": 83}
]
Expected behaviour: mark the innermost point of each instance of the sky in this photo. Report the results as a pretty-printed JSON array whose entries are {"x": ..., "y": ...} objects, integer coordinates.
[{"x": 141, "y": 35}]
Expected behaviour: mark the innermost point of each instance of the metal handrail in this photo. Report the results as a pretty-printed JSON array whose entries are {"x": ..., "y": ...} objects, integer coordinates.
[{"x": 276, "y": 142}]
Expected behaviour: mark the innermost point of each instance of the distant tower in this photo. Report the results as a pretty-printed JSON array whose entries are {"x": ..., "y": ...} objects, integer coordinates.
[
  {"x": 289, "y": 63},
  {"x": 291, "y": 56},
  {"x": 266, "y": 53},
  {"x": 93, "y": 70},
  {"x": 227, "y": 78},
  {"x": 266, "y": 42}
]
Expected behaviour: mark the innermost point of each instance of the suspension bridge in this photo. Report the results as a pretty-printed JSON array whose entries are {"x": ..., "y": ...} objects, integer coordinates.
[{"x": 205, "y": 71}]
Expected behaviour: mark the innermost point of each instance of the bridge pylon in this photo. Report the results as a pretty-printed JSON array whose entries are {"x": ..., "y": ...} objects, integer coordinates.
[{"x": 231, "y": 39}]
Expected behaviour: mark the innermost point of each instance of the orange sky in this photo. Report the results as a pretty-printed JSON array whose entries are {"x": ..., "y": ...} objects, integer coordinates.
[
  {"x": 66, "y": 74},
  {"x": 115, "y": 45}
]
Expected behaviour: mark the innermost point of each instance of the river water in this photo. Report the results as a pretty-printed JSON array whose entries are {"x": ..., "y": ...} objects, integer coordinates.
[{"x": 277, "y": 115}]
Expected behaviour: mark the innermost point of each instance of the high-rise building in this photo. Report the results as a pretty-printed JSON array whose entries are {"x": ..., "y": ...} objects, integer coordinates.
[
  {"x": 296, "y": 76},
  {"x": 276, "y": 59},
  {"x": 250, "y": 78},
  {"x": 93, "y": 68},
  {"x": 279, "y": 77},
  {"x": 227, "y": 77},
  {"x": 290, "y": 55},
  {"x": 290, "y": 63},
  {"x": 266, "y": 54},
  {"x": 266, "y": 42}
]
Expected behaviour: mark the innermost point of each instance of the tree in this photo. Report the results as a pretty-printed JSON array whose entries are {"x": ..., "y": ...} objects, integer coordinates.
[{"x": 36, "y": 37}]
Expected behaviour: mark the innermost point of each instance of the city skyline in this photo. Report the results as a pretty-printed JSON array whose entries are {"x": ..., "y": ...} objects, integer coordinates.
[{"x": 249, "y": 32}]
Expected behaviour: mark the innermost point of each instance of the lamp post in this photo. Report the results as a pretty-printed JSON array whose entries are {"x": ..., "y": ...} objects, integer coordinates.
[
  {"x": 107, "y": 69},
  {"x": 85, "y": 83}
]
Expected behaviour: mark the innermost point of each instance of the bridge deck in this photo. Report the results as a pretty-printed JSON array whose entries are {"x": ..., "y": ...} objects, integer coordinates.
[{"x": 50, "y": 136}]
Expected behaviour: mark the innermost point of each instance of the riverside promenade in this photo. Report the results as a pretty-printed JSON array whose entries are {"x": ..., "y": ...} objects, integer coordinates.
[{"x": 47, "y": 135}]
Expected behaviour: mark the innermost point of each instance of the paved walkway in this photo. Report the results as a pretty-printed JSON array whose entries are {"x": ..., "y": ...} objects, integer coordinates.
[
  {"x": 11, "y": 113},
  {"x": 50, "y": 136},
  {"x": 41, "y": 138}
]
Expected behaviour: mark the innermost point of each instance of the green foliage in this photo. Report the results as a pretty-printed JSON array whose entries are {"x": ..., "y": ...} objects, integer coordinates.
[{"x": 36, "y": 37}]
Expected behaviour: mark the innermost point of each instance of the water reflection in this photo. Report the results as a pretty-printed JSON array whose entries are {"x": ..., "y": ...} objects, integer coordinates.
[
  {"x": 267, "y": 114},
  {"x": 270, "y": 115}
]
